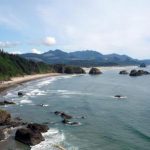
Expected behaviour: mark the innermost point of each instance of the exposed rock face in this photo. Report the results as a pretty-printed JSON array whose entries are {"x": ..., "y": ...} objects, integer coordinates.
[
  {"x": 123, "y": 72},
  {"x": 95, "y": 71},
  {"x": 143, "y": 65},
  {"x": 38, "y": 127},
  {"x": 5, "y": 117},
  {"x": 2, "y": 135},
  {"x": 29, "y": 137},
  {"x": 138, "y": 72}
]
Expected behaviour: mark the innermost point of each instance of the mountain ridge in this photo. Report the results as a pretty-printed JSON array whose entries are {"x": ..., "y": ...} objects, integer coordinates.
[{"x": 83, "y": 58}]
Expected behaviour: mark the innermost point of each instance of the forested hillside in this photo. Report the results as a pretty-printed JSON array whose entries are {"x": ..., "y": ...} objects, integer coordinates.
[{"x": 12, "y": 65}]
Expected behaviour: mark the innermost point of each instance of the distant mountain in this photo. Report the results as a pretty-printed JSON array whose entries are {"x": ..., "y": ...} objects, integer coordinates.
[
  {"x": 84, "y": 58},
  {"x": 146, "y": 61},
  {"x": 86, "y": 55}
]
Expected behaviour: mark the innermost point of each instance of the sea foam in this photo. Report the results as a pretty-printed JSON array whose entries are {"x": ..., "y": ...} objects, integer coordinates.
[
  {"x": 25, "y": 101},
  {"x": 52, "y": 137}
]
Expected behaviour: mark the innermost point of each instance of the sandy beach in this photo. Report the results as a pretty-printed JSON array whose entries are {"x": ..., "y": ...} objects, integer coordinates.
[{"x": 18, "y": 80}]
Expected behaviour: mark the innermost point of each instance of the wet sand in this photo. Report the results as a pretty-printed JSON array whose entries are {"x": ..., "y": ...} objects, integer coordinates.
[{"x": 18, "y": 80}]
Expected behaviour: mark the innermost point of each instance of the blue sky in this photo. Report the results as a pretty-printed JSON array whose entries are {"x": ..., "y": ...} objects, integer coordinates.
[{"x": 108, "y": 26}]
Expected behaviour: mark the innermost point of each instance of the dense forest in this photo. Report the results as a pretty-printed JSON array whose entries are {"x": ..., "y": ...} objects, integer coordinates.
[{"x": 12, "y": 65}]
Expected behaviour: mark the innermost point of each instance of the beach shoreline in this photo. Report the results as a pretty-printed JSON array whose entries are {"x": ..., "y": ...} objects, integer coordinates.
[{"x": 19, "y": 80}]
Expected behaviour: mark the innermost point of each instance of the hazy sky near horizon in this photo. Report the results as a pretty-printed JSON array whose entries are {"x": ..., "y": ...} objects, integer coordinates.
[{"x": 108, "y": 26}]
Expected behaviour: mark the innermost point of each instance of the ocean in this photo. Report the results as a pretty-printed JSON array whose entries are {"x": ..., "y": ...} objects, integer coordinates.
[{"x": 109, "y": 123}]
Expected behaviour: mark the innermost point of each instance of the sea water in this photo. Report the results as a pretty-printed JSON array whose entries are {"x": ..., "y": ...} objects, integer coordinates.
[{"x": 109, "y": 123}]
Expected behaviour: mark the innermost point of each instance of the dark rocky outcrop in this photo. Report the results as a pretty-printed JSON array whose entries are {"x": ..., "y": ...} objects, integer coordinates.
[
  {"x": 123, "y": 72},
  {"x": 6, "y": 120},
  {"x": 6, "y": 102},
  {"x": 15, "y": 123},
  {"x": 94, "y": 71},
  {"x": 73, "y": 70},
  {"x": 66, "y": 116},
  {"x": 38, "y": 127},
  {"x": 5, "y": 117},
  {"x": 29, "y": 134},
  {"x": 29, "y": 137},
  {"x": 60, "y": 68},
  {"x": 138, "y": 72},
  {"x": 143, "y": 65},
  {"x": 2, "y": 135},
  {"x": 58, "y": 113},
  {"x": 63, "y": 115},
  {"x": 117, "y": 96}
]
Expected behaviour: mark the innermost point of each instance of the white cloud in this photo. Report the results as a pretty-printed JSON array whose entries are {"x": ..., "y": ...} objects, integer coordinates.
[
  {"x": 34, "y": 50},
  {"x": 108, "y": 26},
  {"x": 48, "y": 41},
  {"x": 7, "y": 44}
]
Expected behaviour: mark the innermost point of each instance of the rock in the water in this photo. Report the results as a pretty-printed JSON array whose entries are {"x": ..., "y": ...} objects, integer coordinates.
[
  {"x": 133, "y": 73},
  {"x": 29, "y": 137},
  {"x": 38, "y": 127},
  {"x": 138, "y": 72},
  {"x": 21, "y": 93},
  {"x": 6, "y": 103},
  {"x": 123, "y": 72},
  {"x": 65, "y": 121},
  {"x": 58, "y": 113},
  {"x": 143, "y": 65},
  {"x": 5, "y": 117},
  {"x": 74, "y": 70},
  {"x": 95, "y": 71},
  {"x": 66, "y": 116},
  {"x": 117, "y": 96},
  {"x": 63, "y": 115},
  {"x": 60, "y": 68}
]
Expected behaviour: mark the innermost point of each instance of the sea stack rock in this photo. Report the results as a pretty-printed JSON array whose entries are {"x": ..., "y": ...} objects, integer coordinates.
[
  {"x": 123, "y": 72},
  {"x": 73, "y": 70},
  {"x": 143, "y": 65},
  {"x": 138, "y": 73},
  {"x": 95, "y": 71},
  {"x": 29, "y": 137},
  {"x": 38, "y": 127}
]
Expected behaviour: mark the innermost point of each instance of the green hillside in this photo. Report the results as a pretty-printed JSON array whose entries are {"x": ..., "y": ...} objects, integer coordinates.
[{"x": 13, "y": 65}]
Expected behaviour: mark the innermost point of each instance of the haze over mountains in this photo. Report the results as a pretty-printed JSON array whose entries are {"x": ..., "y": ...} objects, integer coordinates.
[{"x": 83, "y": 58}]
